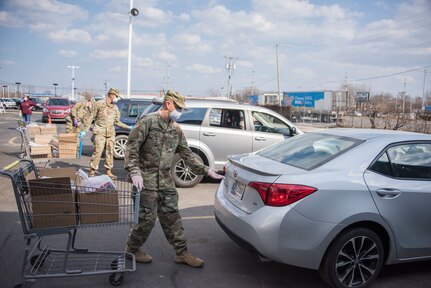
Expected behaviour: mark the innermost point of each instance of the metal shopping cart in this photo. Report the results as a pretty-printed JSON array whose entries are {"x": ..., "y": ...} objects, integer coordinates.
[{"x": 53, "y": 206}]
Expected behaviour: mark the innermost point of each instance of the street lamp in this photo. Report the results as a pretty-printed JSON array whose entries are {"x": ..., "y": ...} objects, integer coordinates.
[
  {"x": 55, "y": 89},
  {"x": 133, "y": 13},
  {"x": 106, "y": 86},
  {"x": 17, "y": 88},
  {"x": 4, "y": 89},
  {"x": 73, "y": 79}
]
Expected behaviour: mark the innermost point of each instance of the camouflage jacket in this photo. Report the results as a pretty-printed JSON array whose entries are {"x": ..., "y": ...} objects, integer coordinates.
[
  {"x": 83, "y": 113},
  {"x": 150, "y": 151},
  {"x": 105, "y": 117}
]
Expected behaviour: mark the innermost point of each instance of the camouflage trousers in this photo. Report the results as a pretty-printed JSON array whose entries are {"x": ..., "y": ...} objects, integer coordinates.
[
  {"x": 100, "y": 143},
  {"x": 69, "y": 126},
  {"x": 162, "y": 204}
]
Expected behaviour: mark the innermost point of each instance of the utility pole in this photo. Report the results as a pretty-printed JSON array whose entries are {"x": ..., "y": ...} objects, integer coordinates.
[
  {"x": 73, "y": 79},
  {"x": 278, "y": 74},
  {"x": 4, "y": 90},
  {"x": 252, "y": 82},
  {"x": 423, "y": 90},
  {"x": 404, "y": 96},
  {"x": 230, "y": 66},
  {"x": 168, "y": 77}
]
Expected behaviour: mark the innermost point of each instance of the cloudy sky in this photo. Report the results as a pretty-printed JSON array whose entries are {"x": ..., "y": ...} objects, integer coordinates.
[{"x": 381, "y": 45}]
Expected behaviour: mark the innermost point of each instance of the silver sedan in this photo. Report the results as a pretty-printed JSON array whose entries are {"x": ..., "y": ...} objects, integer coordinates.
[{"x": 341, "y": 201}]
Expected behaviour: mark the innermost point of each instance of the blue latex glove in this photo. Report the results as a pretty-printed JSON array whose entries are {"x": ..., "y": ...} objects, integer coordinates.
[
  {"x": 75, "y": 122},
  {"x": 131, "y": 127},
  {"x": 82, "y": 134}
]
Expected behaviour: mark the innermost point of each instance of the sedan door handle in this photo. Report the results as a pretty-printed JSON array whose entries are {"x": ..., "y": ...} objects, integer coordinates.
[
  {"x": 209, "y": 134},
  {"x": 388, "y": 193},
  {"x": 260, "y": 138}
]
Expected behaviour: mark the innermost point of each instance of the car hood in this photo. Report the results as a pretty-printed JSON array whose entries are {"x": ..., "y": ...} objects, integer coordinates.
[
  {"x": 58, "y": 107},
  {"x": 261, "y": 165}
]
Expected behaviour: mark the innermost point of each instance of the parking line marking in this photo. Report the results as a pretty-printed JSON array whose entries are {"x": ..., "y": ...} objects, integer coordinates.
[
  {"x": 12, "y": 141},
  {"x": 197, "y": 217}
]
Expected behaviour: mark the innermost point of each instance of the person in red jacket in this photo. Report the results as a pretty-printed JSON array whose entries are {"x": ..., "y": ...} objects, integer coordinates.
[{"x": 26, "y": 106}]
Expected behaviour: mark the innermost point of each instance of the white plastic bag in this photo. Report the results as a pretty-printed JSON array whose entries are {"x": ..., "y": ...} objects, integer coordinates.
[{"x": 92, "y": 184}]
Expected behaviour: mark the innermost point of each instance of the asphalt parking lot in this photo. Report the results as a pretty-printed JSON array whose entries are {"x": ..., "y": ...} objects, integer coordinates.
[{"x": 226, "y": 264}]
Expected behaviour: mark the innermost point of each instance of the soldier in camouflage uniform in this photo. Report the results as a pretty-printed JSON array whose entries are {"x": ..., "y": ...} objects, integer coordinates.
[
  {"x": 150, "y": 151},
  {"x": 82, "y": 113},
  {"x": 106, "y": 115}
]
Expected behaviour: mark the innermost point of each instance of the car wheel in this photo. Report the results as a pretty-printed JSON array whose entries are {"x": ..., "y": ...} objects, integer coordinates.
[
  {"x": 354, "y": 259},
  {"x": 120, "y": 146},
  {"x": 182, "y": 175}
]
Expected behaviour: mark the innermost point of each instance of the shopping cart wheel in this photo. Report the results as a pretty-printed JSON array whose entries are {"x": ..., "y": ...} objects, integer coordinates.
[
  {"x": 34, "y": 262},
  {"x": 116, "y": 279}
]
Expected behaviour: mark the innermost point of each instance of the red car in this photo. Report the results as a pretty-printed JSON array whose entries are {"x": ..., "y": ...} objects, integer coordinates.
[{"x": 56, "y": 108}]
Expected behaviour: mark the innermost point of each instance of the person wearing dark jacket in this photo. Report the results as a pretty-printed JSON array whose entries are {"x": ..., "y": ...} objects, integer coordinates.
[{"x": 26, "y": 106}]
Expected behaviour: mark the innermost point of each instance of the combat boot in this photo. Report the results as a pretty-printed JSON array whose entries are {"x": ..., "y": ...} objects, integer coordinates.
[
  {"x": 91, "y": 173},
  {"x": 109, "y": 173},
  {"x": 187, "y": 258},
  {"x": 140, "y": 256}
]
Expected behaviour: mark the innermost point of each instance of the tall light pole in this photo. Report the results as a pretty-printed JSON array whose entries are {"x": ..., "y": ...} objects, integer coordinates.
[
  {"x": 230, "y": 66},
  {"x": 133, "y": 13},
  {"x": 73, "y": 79},
  {"x": 277, "y": 47},
  {"x": 55, "y": 89},
  {"x": 17, "y": 87},
  {"x": 106, "y": 86},
  {"x": 423, "y": 90},
  {"x": 4, "y": 90}
]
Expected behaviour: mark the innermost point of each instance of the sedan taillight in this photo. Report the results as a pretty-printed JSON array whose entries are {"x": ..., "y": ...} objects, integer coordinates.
[{"x": 281, "y": 194}]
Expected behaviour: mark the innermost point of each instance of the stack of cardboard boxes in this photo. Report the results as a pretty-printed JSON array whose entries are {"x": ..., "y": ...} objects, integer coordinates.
[
  {"x": 67, "y": 145},
  {"x": 45, "y": 140},
  {"x": 42, "y": 137}
]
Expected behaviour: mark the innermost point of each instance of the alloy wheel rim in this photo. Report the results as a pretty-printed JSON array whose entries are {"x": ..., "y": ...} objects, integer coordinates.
[
  {"x": 183, "y": 172},
  {"x": 357, "y": 261},
  {"x": 120, "y": 147}
]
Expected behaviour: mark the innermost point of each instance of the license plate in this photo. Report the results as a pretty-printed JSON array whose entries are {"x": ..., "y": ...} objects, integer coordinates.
[
  {"x": 237, "y": 190},
  {"x": 57, "y": 112}
]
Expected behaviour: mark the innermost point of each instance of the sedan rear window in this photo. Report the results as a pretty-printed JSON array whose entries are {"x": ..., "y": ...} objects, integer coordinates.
[{"x": 309, "y": 151}]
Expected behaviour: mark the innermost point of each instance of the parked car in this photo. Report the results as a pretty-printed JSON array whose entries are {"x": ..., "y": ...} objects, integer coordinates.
[
  {"x": 341, "y": 201},
  {"x": 216, "y": 128},
  {"x": 130, "y": 109},
  {"x": 8, "y": 103},
  {"x": 17, "y": 102},
  {"x": 39, "y": 103},
  {"x": 56, "y": 108}
]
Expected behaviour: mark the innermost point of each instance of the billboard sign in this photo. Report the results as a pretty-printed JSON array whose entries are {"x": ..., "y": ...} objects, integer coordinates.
[
  {"x": 303, "y": 99},
  {"x": 362, "y": 96}
]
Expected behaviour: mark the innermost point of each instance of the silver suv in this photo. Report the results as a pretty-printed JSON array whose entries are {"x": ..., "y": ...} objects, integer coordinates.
[{"x": 217, "y": 128}]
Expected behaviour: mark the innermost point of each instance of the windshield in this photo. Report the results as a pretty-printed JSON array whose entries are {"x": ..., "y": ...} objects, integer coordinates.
[
  {"x": 58, "y": 102},
  {"x": 309, "y": 151}
]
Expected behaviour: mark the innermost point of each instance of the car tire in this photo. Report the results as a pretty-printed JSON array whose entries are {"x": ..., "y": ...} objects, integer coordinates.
[
  {"x": 182, "y": 175},
  {"x": 120, "y": 146},
  {"x": 346, "y": 266}
]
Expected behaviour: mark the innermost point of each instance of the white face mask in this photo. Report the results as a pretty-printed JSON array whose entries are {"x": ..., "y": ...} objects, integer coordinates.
[
  {"x": 115, "y": 100},
  {"x": 174, "y": 115}
]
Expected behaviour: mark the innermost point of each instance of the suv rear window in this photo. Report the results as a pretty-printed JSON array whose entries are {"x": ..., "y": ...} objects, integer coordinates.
[
  {"x": 309, "y": 151},
  {"x": 58, "y": 102}
]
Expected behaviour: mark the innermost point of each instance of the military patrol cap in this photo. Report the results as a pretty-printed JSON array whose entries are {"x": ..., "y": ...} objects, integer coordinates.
[
  {"x": 114, "y": 91},
  {"x": 178, "y": 99}
]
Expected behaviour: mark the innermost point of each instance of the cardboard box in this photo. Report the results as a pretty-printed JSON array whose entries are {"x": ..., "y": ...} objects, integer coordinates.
[
  {"x": 67, "y": 138},
  {"x": 33, "y": 130},
  {"x": 69, "y": 172},
  {"x": 48, "y": 129},
  {"x": 100, "y": 206},
  {"x": 52, "y": 202},
  {"x": 67, "y": 150},
  {"x": 41, "y": 150},
  {"x": 43, "y": 139}
]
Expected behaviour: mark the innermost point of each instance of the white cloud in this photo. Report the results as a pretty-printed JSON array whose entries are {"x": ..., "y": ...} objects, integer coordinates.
[
  {"x": 8, "y": 20},
  {"x": 74, "y": 35},
  {"x": 106, "y": 54},
  {"x": 184, "y": 16},
  {"x": 67, "y": 53},
  {"x": 166, "y": 56},
  {"x": 142, "y": 61},
  {"x": 199, "y": 68}
]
